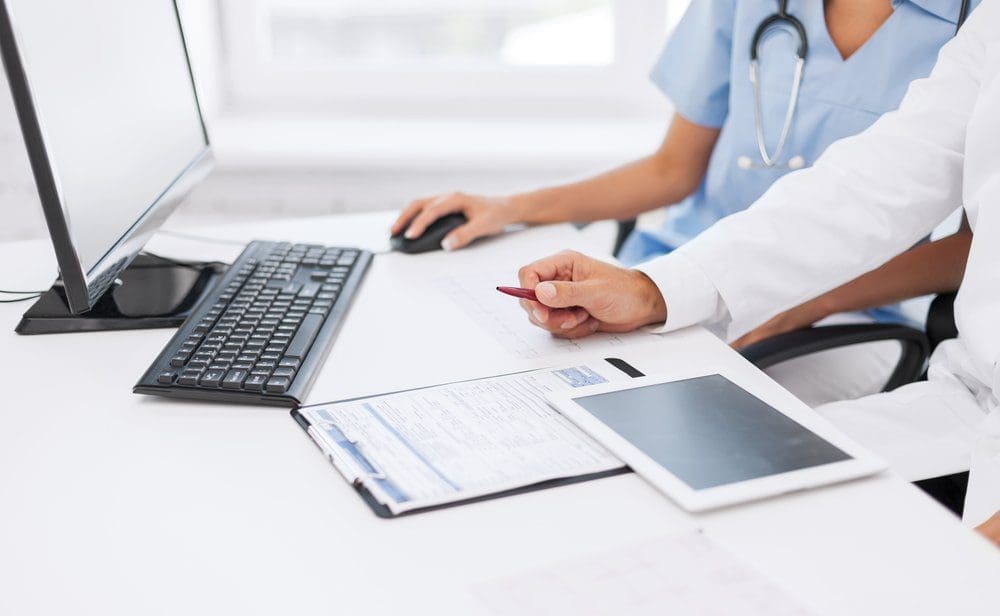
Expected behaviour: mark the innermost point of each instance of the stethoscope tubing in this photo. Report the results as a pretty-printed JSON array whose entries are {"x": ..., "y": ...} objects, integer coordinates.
[
  {"x": 781, "y": 18},
  {"x": 784, "y": 18}
]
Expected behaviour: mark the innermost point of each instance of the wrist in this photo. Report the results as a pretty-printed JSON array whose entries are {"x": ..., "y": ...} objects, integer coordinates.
[{"x": 653, "y": 308}]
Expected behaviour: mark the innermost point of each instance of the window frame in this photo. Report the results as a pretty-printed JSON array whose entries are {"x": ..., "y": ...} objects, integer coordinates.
[{"x": 255, "y": 83}]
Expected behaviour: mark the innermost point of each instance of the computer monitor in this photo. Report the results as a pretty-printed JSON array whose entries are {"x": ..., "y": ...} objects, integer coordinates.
[{"x": 112, "y": 124}]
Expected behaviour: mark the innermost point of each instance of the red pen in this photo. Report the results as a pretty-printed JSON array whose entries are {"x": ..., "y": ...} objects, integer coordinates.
[{"x": 519, "y": 292}]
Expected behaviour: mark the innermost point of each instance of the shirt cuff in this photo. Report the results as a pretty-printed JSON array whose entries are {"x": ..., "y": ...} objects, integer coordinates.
[{"x": 690, "y": 296}]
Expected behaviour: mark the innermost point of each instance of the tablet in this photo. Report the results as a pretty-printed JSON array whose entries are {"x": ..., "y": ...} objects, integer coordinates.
[{"x": 707, "y": 442}]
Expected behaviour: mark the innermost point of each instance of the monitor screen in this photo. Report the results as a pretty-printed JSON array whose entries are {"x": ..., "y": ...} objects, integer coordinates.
[{"x": 116, "y": 105}]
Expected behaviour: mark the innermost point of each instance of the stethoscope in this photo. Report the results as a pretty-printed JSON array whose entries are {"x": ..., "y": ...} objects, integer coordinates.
[{"x": 784, "y": 19}]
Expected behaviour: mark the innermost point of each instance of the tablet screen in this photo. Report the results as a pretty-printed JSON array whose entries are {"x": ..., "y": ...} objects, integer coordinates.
[{"x": 710, "y": 432}]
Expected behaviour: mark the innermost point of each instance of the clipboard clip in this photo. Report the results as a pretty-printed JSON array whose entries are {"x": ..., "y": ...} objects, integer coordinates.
[
  {"x": 346, "y": 454},
  {"x": 374, "y": 470}
]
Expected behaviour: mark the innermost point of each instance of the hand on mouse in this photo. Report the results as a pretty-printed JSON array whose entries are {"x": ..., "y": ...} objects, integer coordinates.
[
  {"x": 487, "y": 216},
  {"x": 578, "y": 295}
]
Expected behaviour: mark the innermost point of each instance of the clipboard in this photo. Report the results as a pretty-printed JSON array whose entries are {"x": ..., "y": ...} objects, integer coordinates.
[{"x": 383, "y": 511}]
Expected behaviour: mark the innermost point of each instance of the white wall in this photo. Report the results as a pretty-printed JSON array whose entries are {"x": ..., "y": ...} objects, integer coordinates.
[{"x": 20, "y": 212}]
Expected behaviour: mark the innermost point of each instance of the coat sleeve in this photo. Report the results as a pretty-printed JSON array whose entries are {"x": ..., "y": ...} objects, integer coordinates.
[{"x": 867, "y": 199}]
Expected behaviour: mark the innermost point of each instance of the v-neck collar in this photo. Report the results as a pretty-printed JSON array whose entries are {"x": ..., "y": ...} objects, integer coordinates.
[{"x": 835, "y": 51}]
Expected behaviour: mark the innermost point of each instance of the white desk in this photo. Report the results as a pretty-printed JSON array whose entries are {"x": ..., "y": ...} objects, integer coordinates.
[{"x": 111, "y": 503}]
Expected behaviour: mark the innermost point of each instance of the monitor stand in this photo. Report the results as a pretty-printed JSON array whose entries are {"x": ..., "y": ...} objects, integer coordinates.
[{"x": 152, "y": 293}]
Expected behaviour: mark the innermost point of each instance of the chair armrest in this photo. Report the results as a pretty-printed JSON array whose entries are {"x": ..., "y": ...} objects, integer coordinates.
[{"x": 783, "y": 347}]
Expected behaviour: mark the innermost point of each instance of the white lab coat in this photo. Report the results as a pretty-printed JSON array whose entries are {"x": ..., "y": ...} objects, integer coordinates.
[{"x": 868, "y": 198}]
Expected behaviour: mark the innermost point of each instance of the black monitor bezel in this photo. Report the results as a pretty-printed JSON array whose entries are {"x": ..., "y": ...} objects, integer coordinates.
[{"x": 83, "y": 288}]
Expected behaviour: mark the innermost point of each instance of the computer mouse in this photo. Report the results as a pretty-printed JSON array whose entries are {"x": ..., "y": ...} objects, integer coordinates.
[{"x": 431, "y": 238}]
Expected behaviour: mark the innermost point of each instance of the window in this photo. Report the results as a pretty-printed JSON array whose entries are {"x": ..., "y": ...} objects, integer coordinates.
[{"x": 466, "y": 57}]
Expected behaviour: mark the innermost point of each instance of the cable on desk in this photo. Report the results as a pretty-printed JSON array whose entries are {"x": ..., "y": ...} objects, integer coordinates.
[{"x": 20, "y": 299}]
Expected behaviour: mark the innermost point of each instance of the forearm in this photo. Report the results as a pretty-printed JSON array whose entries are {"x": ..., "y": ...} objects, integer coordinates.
[
  {"x": 668, "y": 175},
  {"x": 622, "y": 193},
  {"x": 931, "y": 268}
]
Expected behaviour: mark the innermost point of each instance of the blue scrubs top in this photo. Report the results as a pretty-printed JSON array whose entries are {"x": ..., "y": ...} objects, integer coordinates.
[{"x": 704, "y": 70}]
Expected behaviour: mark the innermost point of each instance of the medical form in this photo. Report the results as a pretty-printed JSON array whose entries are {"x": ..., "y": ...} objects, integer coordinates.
[{"x": 438, "y": 445}]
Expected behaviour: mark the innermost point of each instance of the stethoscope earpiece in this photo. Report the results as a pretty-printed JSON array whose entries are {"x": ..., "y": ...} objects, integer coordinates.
[{"x": 794, "y": 164}]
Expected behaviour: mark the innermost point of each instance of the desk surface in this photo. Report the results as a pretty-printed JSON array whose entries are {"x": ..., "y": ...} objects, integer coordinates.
[{"x": 120, "y": 504}]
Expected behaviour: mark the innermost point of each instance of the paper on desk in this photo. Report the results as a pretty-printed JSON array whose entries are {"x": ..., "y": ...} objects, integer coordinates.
[
  {"x": 683, "y": 574},
  {"x": 501, "y": 315},
  {"x": 448, "y": 443}
]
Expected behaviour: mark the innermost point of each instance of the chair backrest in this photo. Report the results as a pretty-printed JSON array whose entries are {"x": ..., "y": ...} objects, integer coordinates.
[{"x": 941, "y": 320}]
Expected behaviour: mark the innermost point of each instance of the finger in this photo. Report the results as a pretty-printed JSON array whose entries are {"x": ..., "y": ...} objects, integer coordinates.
[
  {"x": 588, "y": 327},
  {"x": 536, "y": 310},
  {"x": 558, "y": 321},
  {"x": 568, "y": 319},
  {"x": 408, "y": 213},
  {"x": 561, "y": 320},
  {"x": 557, "y": 267},
  {"x": 461, "y": 237},
  {"x": 438, "y": 208}
]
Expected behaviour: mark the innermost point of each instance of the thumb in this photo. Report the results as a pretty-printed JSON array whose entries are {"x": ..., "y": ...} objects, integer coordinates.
[{"x": 564, "y": 294}]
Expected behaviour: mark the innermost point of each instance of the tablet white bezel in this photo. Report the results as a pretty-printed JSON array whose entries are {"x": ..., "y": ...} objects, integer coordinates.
[{"x": 862, "y": 463}]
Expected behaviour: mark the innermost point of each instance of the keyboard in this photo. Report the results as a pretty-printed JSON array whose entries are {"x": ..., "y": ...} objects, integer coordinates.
[{"x": 261, "y": 334}]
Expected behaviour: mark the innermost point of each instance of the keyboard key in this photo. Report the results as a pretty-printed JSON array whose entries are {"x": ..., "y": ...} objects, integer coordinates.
[
  {"x": 255, "y": 382},
  {"x": 278, "y": 385},
  {"x": 211, "y": 378},
  {"x": 234, "y": 379},
  {"x": 289, "y": 362},
  {"x": 189, "y": 378},
  {"x": 166, "y": 378},
  {"x": 286, "y": 372},
  {"x": 303, "y": 339}
]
